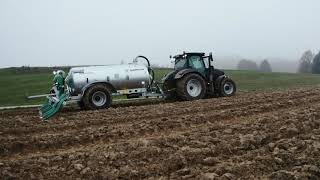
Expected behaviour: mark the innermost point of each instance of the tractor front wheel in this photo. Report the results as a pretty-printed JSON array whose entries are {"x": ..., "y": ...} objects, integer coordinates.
[
  {"x": 227, "y": 87},
  {"x": 191, "y": 87},
  {"x": 97, "y": 97}
]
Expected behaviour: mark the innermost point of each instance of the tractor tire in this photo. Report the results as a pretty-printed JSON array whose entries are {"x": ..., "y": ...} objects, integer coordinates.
[
  {"x": 81, "y": 105},
  {"x": 191, "y": 87},
  {"x": 227, "y": 87},
  {"x": 97, "y": 97},
  {"x": 171, "y": 97}
]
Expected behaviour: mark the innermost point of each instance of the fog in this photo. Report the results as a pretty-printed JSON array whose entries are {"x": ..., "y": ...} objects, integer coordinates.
[{"x": 78, "y": 32}]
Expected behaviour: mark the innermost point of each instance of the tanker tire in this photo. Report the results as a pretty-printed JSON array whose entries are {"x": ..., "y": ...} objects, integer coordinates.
[
  {"x": 92, "y": 98},
  {"x": 191, "y": 87},
  {"x": 227, "y": 88}
]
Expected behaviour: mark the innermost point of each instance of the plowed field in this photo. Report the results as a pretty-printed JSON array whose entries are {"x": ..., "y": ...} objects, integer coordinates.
[{"x": 268, "y": 135}]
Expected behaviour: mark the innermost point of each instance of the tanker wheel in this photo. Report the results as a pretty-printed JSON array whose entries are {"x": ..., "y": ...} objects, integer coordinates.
[
  {"x": 191, "y": 87},
  {"x": 227, "y": 87},
  {"x": 97, "y": 97}
]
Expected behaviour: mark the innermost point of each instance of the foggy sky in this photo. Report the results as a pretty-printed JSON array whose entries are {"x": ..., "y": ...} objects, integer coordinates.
[{"x": 83, "y": 32}]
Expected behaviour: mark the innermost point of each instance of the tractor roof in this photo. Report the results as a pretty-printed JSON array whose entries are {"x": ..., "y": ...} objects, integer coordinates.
[{"x": 189, "y": 54}]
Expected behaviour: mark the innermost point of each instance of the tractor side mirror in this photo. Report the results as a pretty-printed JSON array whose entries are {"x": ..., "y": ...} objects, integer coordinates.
[{"x": 210, "y": 57}]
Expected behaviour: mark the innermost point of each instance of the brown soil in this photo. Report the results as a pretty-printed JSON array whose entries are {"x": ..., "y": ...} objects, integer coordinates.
[{"x": 268, "y": 135}]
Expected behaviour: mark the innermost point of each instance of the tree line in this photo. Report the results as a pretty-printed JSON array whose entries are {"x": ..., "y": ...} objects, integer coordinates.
[
  {"x": 246, "y": 64},
  {"x": 309, "y": 63}
]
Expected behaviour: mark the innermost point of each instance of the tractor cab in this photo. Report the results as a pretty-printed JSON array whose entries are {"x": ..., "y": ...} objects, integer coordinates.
[
  {"x": 190, "y": 60},
  {"x": 196, "y": 61}
]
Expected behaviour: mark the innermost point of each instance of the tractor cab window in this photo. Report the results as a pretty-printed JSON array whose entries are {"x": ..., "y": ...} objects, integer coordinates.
[
  {"x": 180, "y": 63},
  {"x": 206, "y": 62},
  {"x": 197, "y": 63}
]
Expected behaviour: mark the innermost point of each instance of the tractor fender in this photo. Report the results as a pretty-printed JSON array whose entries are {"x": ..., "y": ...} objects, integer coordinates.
[
  {"x": 183, "y": 72},
  {"x": 110, "y": 86},
  {"x": 218, "y": 81}
]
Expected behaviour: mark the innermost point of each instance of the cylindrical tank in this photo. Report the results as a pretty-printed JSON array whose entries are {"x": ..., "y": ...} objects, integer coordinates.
[{"x": 121, "y": 77}]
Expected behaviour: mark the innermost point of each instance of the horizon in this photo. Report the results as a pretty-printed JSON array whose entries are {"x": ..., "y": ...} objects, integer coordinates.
[{"x": 283, "y": 64}]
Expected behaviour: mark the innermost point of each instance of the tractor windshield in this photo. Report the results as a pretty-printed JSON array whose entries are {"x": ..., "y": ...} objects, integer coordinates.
[{"x": 180, "y": 63}]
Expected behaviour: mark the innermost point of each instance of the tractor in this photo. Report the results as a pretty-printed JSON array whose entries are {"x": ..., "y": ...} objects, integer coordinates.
[{"x": 194, "y": 77}]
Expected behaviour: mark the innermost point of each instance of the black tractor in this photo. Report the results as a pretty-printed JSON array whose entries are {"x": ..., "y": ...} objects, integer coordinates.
[{"x": 194, "y": 77}]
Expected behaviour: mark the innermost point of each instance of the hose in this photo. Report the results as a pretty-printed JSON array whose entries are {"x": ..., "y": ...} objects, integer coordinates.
[
  {"x": 150, "y": 70},
  {"x": 143, "y": 57}
]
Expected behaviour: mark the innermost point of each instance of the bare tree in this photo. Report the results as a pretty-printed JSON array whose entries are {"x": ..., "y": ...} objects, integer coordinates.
[
  {"x": 316, "y": 64},
  {"x": 265, "y": 66},
  {"x": 305, "y": 63},
  {"x": 245, "y": 64}
]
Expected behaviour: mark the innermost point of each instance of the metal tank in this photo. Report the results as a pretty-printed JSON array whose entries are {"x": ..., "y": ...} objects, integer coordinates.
[{"x": 126, "y": 79}]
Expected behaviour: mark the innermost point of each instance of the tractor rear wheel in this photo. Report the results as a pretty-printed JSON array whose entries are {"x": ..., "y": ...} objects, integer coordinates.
[
  {"x": 97, "y": 97},
  {"x": 191, "y": 87},
  {"x": 81, "y": 104},
  {"x": 227, "y": 87},
  {"x": 171, "y": 96}
]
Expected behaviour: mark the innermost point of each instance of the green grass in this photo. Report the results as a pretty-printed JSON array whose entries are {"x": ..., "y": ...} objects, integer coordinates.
[
  {"x": 250, "y": 80},
  {"x": 16, "y": 84}
]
